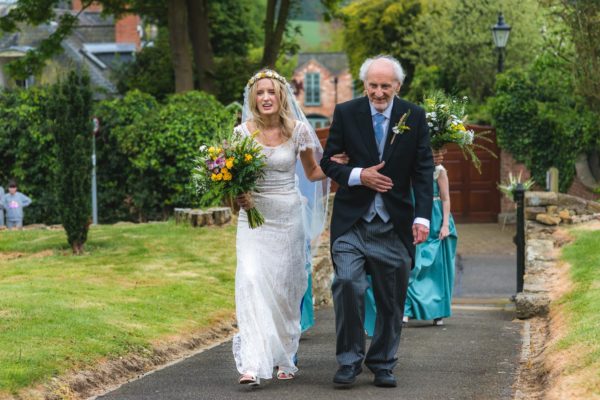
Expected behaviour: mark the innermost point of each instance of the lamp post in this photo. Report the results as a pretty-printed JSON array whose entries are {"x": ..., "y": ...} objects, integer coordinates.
[
  {"x": 500, "y": 32},
  {"x": 95, "y": 131}
]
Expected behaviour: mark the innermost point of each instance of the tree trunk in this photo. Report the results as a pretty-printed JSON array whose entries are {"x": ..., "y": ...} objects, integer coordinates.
[
  {"x": 179, "y": 42},
  {"x": 199, "y": 32},
  {"x": 274, "y": 31},
  {"x": 77, "y": 248}
]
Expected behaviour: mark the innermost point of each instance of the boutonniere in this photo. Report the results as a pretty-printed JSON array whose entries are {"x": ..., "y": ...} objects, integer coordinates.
[{"x": 401, "y": 126}]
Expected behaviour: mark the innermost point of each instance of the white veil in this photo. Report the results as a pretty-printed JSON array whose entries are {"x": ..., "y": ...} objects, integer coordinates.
[{"x": 314, "y": 194}]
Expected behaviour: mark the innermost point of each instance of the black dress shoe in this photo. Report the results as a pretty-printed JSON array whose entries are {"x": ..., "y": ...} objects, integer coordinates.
[
  {"x": 346, "y": 374},
  {"x": 384, "y": 378}
]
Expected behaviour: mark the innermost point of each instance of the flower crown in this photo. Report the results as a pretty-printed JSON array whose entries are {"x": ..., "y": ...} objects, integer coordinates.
[{"x": 267, "y": 73}]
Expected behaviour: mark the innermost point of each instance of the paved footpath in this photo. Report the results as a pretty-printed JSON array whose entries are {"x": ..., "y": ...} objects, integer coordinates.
[{"x": 474, "y": 356}]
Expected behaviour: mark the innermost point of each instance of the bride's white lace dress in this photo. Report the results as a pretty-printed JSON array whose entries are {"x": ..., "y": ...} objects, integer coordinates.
[{"x": 271, "y": 278}]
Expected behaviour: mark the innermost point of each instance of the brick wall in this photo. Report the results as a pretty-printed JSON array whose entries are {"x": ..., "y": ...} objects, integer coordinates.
[
  {"x": 508, "y": 164},
  {"x": 578, "y": 189},
  {"x": 95, "y": 7},
  {"x": 126, "y": 30},
  {"x": 328, "y": 89}
]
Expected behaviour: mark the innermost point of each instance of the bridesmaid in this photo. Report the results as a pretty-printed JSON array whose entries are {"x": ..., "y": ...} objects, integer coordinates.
[
  {"x": 430, "y": 287},
  {"x": 429, "y": 295}
]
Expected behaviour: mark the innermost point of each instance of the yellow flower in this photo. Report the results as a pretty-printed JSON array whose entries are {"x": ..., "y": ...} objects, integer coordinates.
[
  {"x": 224, "y": 170},
  {"x": 227, "y": 177},
  {"x": 219, "y": 176},
  {"x": 248, "y": 157},
  {"x": 229, "y": 162},
  {"x": 213, "y": 177},
  {"x": 211, "y": 149}
]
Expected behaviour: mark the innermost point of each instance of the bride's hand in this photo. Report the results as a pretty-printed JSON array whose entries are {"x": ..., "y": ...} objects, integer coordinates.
[
  {"x": 245, "y": 201},
  {"x": 341, "y": 158}
]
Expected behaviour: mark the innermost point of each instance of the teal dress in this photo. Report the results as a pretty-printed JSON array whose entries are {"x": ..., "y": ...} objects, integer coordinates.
[{"x": 430, "y": 285}]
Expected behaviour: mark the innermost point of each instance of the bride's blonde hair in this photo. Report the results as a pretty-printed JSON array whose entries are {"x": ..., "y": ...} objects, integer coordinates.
[{"x": 281, "y": 91}]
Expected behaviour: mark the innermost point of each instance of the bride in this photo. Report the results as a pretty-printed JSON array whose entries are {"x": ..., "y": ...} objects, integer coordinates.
[{"x": 271, "y": 278}]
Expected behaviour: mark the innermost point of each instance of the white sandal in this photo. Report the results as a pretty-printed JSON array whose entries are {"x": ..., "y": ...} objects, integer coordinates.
[
  {"x": 284, "y": 376},
  {"x": 249, "y": 379}
]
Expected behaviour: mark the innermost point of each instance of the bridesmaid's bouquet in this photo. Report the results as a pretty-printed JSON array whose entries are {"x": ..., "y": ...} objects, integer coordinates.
[
  {"x": 230, "y": 168},
  {"x": 446, "y": 119}
]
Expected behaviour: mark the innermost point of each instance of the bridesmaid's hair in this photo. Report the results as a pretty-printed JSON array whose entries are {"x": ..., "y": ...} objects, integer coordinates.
[{"x": 285, "y": 115}]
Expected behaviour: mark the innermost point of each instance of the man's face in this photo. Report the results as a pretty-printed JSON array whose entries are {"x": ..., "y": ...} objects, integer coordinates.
[{"x": 381, "y": 84}]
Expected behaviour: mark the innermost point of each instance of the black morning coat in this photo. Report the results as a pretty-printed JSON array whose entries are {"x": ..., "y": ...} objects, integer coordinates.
[{"x": 408, "y": 161}]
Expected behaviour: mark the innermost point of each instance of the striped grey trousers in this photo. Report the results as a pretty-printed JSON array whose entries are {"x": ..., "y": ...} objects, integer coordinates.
[{"x": 369, "y": 248}]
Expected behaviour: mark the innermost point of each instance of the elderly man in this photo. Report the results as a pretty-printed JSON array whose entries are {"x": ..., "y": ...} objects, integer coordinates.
[{"x": 375, "y": 223}]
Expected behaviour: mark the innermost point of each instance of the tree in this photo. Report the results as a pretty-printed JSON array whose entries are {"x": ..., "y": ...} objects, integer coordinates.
[
  {"x": 70, "y": 113},
  {"x": 455, "y": 36},
  {"x": 450, "y": 37},
  {"x": 188, "y": 22},
  {"x": 275, "y": 23},
  {"x": 582, "y": 19},
  {"x": 380, "y": 26}
]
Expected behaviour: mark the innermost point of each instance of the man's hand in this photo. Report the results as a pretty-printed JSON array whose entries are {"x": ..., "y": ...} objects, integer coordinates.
[
  {"x": 420, "y": 233},
  {"x": 371, "y": 178}
]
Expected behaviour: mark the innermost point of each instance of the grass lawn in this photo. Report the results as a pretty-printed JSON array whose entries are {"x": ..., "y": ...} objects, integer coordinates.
[
  {"x": 582, "y": 308},
  {"x": 135, "y": 285}
]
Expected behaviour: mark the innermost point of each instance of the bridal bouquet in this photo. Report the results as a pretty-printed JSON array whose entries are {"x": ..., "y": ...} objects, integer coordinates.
[
  {"x": 446, "y": 119},
  {"x": 230, "y": 168}
]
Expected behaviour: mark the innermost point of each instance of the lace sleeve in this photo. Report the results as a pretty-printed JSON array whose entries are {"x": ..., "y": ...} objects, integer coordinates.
[{"x": 303, "y": 139}]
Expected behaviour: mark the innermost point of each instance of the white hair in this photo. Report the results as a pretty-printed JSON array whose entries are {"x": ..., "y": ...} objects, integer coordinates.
[{"x": 398, "y": 71}]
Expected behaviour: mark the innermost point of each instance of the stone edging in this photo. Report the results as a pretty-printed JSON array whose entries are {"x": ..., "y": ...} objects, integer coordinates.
[{"x": 544, "y": 211}]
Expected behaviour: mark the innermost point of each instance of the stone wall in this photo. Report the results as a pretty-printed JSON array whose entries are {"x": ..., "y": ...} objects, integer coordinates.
[
  {"x": 197, "y": 218},
  {"x": 544, "y": 213}
]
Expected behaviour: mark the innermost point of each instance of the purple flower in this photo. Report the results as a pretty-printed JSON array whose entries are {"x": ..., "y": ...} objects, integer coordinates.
[{"x": 220, "y": 162}]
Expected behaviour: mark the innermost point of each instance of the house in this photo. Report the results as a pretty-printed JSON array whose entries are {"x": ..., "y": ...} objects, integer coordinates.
[
  {"x": 320, "y": 81},
  {"x": 98, "y": 44}
]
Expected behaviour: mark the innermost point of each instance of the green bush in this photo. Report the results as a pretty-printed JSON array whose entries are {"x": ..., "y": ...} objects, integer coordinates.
[
  {"x": 146, "y": 152},
  {"x": 540, "y": 121},
  {"x": 28, "y": 151}
]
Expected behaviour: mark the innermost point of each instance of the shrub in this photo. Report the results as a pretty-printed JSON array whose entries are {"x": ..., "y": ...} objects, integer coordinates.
[
  {"x": 148, "y": 151},
  {"x": 69, "y": 115},
  {"x": 28, "y": 151}
]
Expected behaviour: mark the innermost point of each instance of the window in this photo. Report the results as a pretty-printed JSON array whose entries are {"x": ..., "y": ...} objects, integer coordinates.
[
  {"x": 318, "y": 121},
  {"x": 312, "y": 87},
  {"x": 26, "y": 83}
]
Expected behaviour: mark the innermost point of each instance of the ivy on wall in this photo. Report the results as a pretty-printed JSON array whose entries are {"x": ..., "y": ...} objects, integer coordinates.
[{"x": 540, "y": 121}]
